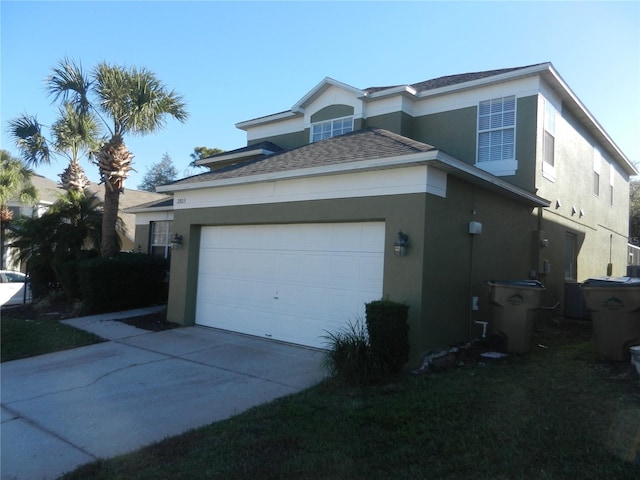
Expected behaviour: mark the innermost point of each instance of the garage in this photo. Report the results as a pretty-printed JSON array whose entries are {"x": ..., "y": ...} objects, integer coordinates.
[{"x": 289, "y": 282}]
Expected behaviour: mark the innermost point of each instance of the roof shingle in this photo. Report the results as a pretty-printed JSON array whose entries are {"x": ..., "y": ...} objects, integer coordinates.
[{"x": 368, "y": 143}]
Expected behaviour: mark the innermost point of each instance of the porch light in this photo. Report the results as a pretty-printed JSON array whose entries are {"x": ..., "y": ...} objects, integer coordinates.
[
  {"x": 400, "y": 245},
  {"x": 176, "y": 241}
]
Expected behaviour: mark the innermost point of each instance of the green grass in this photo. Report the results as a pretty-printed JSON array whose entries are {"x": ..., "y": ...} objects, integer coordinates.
[
  {"x": 27, "y": 332},
  {"x": 554, "y": 414}
]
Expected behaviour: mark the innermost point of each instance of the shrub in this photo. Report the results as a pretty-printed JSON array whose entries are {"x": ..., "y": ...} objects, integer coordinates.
[
  {"x": 42, "y": 278},
  {"x": 350, "y": 359},
  {"x": 389, "y": 332},
  {"x": 128, "y": 280}
]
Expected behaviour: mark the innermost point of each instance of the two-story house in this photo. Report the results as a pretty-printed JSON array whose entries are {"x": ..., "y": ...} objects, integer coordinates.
[{"x": 501, "y": 174}]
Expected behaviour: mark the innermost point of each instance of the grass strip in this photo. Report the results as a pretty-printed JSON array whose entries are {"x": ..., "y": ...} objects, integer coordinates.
[
  {"x": 37, "y": 335},
  {"x": 554, "y": 414}
]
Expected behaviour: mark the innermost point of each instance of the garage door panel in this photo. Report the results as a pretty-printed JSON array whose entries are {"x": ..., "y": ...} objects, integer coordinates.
[{"x": 289, "y": 282}]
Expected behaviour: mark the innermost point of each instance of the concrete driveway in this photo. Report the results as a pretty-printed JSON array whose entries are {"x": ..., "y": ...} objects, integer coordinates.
[{"x": 65, "y": 409}]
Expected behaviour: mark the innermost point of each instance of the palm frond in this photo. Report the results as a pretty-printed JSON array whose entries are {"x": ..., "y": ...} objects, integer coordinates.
[
  {"x": 136, "y": 100},
  {"x": 69, "y": 83},
  {"x": 75, "y": 132},
  {"x": 26, "y": 132}
]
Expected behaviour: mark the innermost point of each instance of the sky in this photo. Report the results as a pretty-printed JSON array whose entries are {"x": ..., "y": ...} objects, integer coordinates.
[{"x": 235, "y": 61}]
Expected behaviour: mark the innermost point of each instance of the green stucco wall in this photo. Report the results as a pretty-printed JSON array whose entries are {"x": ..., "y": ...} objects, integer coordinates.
[
  {"x": 287, "y": 141},
  {"x": 444, "y": 268},
  {"x": 331, "y": 112}
]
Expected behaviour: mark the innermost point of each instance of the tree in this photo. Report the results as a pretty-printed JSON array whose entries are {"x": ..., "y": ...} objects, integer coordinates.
[
  {"x": 128, "y": 101},
  {"x": 158, "y": 174},
  {"x": 203, "y": 152},
  {"x": 15, "y": 183},
  {"x": 74, "y": 135},
  {"x": 68, "y": 229},
  {"x": 634, "y": 210}
]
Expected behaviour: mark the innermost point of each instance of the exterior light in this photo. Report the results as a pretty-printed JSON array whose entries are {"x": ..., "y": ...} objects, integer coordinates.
[
  {"x": 400, "y": 245},
  {"x": 176, "y": 241}
]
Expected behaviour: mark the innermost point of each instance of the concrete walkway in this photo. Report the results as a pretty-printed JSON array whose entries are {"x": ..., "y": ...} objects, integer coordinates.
[{"x": 65, "y": 409}]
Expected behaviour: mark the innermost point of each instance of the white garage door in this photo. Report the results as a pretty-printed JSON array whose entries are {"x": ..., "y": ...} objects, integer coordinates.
[{"x": 292, "y": 283}]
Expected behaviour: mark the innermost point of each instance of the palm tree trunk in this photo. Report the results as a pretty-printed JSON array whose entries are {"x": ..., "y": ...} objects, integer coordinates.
[
  {"x": 114, "y": 162},
  {"x": 110, "y": 244}
]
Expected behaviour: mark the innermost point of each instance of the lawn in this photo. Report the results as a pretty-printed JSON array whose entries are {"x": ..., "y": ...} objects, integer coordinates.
[
  {"x": 556, "y": 413},
  {"x": 27, "y": 331}
]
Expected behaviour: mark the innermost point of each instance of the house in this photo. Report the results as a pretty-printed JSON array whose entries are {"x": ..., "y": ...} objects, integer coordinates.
[
  {"x": 501, "y": 174},
  {"x": 49, "y": 192}
]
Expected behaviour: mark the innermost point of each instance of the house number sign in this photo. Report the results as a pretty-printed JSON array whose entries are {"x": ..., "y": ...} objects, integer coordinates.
[{"x": 181, "y": 201}]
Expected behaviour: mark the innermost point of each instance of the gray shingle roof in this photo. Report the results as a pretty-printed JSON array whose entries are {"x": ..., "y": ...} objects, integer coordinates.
[
  {"x": 449, "y": 80},
  {"x": 262, "y": 145},
  {"x": 368, "y": 143}
]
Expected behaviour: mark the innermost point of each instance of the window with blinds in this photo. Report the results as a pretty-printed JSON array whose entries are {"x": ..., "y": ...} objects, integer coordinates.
[{"x": 496, "y": 129}]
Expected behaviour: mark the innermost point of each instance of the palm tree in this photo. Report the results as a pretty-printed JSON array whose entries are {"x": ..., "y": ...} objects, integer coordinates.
[
  {"x": 15, "y": 183},
  {"x": 67, "y": 231},
  {"x": 128, "y": 101},
  {"x": 74, "y": 135}
]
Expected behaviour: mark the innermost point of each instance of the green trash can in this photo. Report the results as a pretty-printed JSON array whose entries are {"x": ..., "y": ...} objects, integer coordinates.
[
  {"x": 614, "y": 303},
  {"x": 514, "y": 304}
]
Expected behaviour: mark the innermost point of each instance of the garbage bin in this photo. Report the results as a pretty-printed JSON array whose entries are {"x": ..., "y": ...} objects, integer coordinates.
[
  {"x": 513, "y": 312},
  {"x": 614, "y": 303}
]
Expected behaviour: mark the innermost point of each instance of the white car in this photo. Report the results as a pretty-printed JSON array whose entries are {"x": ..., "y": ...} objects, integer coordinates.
[{"x": 12, "y": 285}]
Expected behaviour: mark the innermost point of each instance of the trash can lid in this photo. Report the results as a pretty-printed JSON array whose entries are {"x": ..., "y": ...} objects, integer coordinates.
[
  {"x": 613, "y": 281},
  {"x": 517, "y": 283}
]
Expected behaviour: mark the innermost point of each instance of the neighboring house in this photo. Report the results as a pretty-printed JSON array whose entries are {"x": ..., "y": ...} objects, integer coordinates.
[
  {"x": 501, "y": 174},
  {"x": 49, "y": 191}
]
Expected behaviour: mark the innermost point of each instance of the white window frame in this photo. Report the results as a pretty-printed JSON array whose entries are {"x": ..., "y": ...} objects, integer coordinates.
[
  {"x": 612, "y": 172},
  {"x": 549, "y": 131},
  {"x": 329, "y": 128},
  {"x": 165, "y": 236},
  {"x": 597, "y": 161},
  {"x": 496, "y": 136}
]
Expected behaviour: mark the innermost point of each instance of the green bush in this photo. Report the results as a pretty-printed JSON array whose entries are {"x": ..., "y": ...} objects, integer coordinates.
[
  {"x": 389, "y": 332},
  {"x": 350, "y": 359},
  {"x": 126, "y": 281},
  {"x": 68, "y": 275},
  {"x": 42, "y": 278}
]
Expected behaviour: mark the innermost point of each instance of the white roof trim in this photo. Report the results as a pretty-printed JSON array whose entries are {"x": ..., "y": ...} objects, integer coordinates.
[
  {"x": 320, "y": 88},
  {"x": 503, "y": 77},
  {"x": 441, "y": 160},
  {"x": 232, "y": 156},
  {"x": 584, "y": 115},
  {"x": 276, "y": 117}
]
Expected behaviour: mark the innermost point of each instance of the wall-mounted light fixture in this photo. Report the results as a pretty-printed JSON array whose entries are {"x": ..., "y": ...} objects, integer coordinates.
[
  {"x": 176, "y": 241},
  {"x": 400, "y": 245}
]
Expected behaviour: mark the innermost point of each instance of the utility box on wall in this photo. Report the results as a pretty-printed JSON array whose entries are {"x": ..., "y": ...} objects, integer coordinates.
[{"x": 475, "y": 228}]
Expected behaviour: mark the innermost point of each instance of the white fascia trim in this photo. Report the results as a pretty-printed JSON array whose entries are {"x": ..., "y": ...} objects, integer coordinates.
[
  {"x": 503, "y": 77},
  {"x": 276, "y": 117},
  {"x": 321, "y": 87},
  {"x": 568, "y": 94},
  {"x": 434, "y": 156},
  {"x": 375, "y": 164},
  {"x": 401, "y": 90},
  {"x": 232, "y": 156},
  {"x": 168, "y": 208}
]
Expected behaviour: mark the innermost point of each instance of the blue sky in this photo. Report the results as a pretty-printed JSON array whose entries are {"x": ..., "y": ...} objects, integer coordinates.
[{"x": 234, "y": 61}]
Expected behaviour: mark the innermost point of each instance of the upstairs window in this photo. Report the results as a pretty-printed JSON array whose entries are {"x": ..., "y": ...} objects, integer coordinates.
[
  {"x": 549, "y": 142},
  {"x": 331, "y": 128},
  {"x": 496, "y": 129},
  {"x": 497, "y": 136},
  {"x": 612, "y": 172},
  {"x": 596, "y": 172},
  {"x": 160, "y": 243}
]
